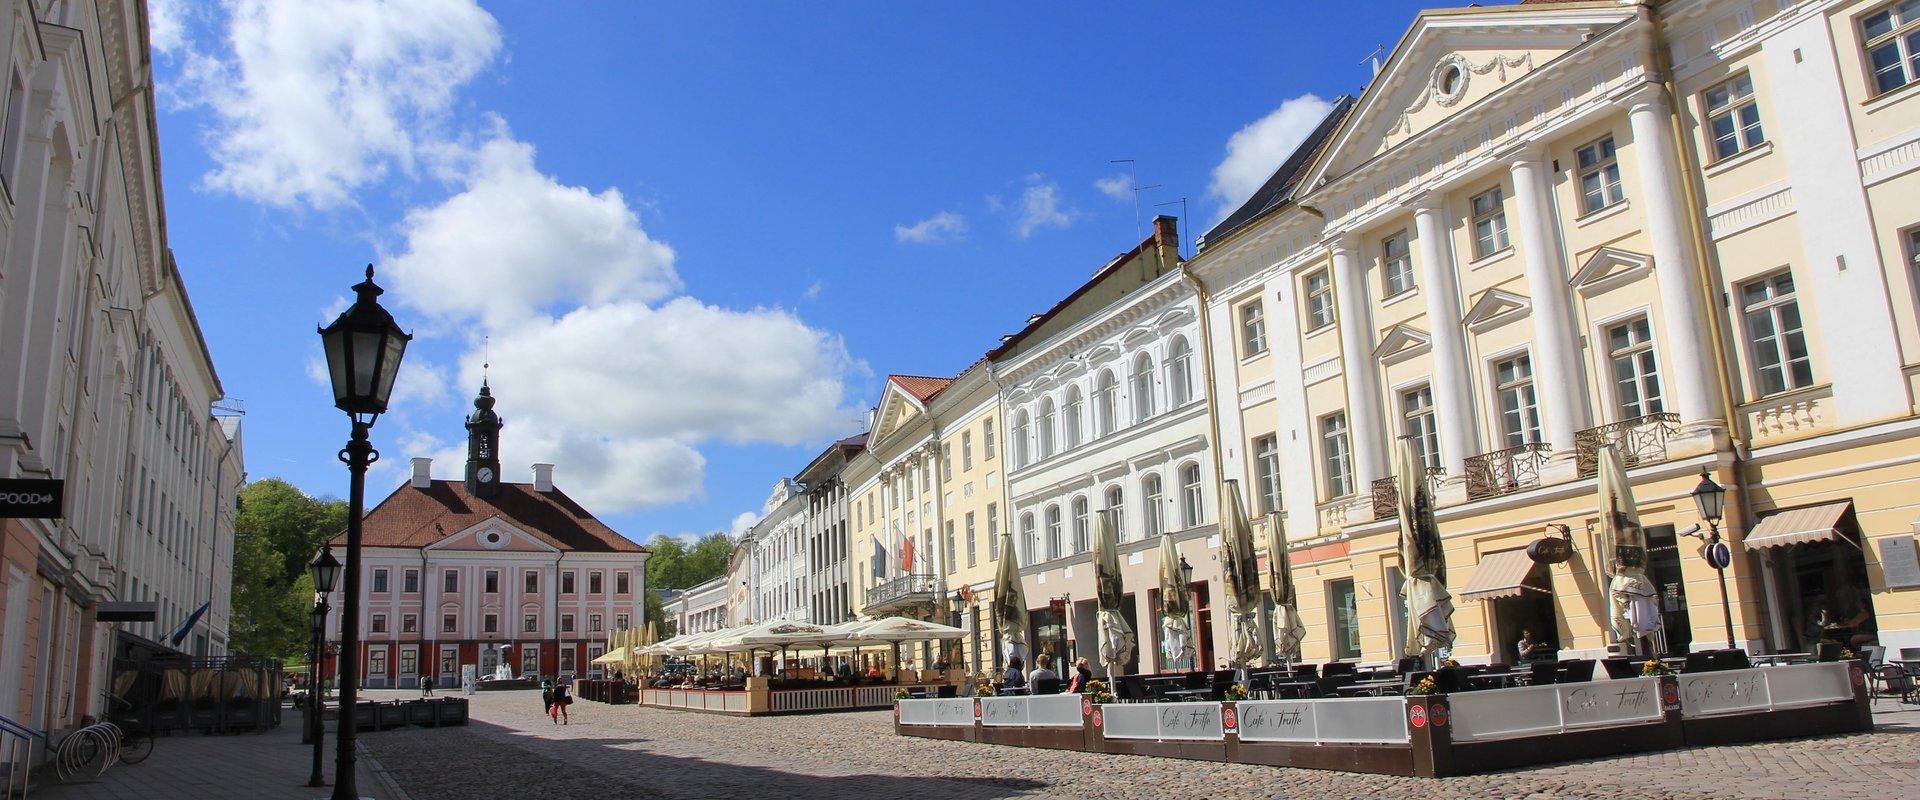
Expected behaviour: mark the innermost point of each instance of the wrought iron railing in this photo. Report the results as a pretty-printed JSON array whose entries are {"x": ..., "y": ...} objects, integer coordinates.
[
  {"x": 1386, "y": 492},
  {"x": 1641, "y": 440},
  {"x": 900, "y": 588},
  {"x": 1505, "y": 471}
]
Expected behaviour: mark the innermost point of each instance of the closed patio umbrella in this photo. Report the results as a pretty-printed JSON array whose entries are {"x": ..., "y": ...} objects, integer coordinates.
[
  {"x": 1175, "y": 628},
  {"x": 1631, "y": 610},
  {"x": 1288, "y": 631},
  {"x": 1117, "y": 639},
  {"x": 1429, "y": 607},
  {"x": 1010, "y": 601},
  {"x": 1240, "y": 569}
]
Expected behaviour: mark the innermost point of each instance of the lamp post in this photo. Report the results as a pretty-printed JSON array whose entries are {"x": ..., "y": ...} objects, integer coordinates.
[
  {"x": 363, "y": 348},
  {"x": 326, "y": 568},
  {"x": 1710, "y": 499}
]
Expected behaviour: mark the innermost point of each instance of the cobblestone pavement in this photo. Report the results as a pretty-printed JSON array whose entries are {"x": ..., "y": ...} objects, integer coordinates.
[{"x": 611, "y": 752}]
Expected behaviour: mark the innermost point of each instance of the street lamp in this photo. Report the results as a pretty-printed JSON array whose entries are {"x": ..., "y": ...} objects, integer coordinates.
[
  {"x": 1710, "y": 499},
  {"x": 1186, "y": 573},
  {"x": 326, "y": 569},
  {"x": 364, "y": 347}
]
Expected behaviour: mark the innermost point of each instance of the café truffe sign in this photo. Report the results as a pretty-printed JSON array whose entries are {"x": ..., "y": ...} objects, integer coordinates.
[
  {"x": 1550, "y": 550},
  {"x": 31, "y": 498}
]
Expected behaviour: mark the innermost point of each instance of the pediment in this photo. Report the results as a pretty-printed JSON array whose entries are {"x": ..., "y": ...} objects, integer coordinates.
[
  {"x": 897, "y": 410},
  {"x": 1450, "y": 60},
  {"x": 1609, "y": 268},
  {"x": 1494, "y": 308},
  {"x": 493, "y": 535},
  {"x": 1401, "y": 343}
]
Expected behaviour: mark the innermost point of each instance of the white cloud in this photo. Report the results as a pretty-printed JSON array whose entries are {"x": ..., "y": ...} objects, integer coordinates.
[
  {"x": 743, "y": 522},
  {"x": 318, "y": 98},
  {"x": 420, "y": 382},
  {"x": 1255, "y": 151},
  {"x": 1040, "y": 207},
  {"x": 166, "y": 25},
  {"x": 945, "y": 226},
  {"x": 517, "y": 242},
  {"x": 1118, "y": 187},
  {"x": 813, "y": 291}
]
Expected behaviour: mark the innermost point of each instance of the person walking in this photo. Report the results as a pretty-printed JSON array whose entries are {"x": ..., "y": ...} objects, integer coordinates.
[
  {"x": 546, "y": 698},
  {"x": 562, "y": 697}
]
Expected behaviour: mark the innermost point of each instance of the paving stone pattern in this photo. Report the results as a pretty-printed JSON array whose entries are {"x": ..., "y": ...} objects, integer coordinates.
[{"x": 611, "y": 752}]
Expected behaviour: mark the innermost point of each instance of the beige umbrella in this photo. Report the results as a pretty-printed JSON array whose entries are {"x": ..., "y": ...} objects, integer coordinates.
[
  {"x": 1631, "y": 610},
  {"x": 1117, "y": 639},
  {"x": 1010, "y": 601},
  {"x": 1175, "y": 628},
  {"x": 1429, "y": 606},
  {"x": 1242, "y": 575},
  {"x": 1288, "y": 631}
]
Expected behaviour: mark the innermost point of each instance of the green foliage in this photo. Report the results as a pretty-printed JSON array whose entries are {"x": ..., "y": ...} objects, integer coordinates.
[
  {"x": 677, "y": 565},
  {"x": 279, "y": 529}
]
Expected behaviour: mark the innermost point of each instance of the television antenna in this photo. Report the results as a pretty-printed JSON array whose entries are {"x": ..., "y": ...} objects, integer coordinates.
[{"x": 1133, "y": 180}]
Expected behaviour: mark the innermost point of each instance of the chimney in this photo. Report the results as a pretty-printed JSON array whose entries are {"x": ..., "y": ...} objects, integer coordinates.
[
  {"x": 543, "y": 477},
  {"x": 422, "y": 469}
]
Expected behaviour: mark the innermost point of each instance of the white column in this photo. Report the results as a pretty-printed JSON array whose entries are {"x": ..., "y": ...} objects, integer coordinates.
[
  {"x": 1364, "y": 418},
  {"x": 1452, "y": 388},
  {"x": 1556, "y": 359},
  {"x": 1688, "y": 369}
]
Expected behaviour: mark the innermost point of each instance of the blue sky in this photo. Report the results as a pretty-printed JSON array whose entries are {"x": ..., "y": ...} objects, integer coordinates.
[{"x": 692, "y": 237}]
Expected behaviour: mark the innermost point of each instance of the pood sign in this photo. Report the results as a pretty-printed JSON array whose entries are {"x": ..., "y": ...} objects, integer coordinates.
[{"x": 31, "y": 498}]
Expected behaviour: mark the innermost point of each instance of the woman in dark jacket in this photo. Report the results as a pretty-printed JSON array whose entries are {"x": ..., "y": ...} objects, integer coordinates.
[
  {"x": 546, "y": 697},
  {"x": 562, "y": 697}
]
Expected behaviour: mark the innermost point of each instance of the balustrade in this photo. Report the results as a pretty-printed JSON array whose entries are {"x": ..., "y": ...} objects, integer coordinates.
[{"x": 1505, "y": 471}]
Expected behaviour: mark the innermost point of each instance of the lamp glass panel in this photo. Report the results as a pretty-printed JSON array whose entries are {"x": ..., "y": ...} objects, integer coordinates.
[
  {"x": 334, "y": 342},
  {"x": 396, "y": 346},
  {"x": 366, "y": 359}
]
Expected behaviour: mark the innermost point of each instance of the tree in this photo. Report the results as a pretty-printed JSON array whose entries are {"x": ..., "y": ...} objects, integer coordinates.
[{"x": 278, "y": 531}]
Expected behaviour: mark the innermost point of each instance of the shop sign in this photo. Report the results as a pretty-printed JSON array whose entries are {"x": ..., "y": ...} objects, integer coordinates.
[
  {"x": 31, "y": 498},
  {"x": 1551, "y": 550}
]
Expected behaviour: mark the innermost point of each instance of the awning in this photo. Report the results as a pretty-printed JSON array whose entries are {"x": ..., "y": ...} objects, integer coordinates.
[
  {"x": 1508, "y": 573},
  {"x": 614, "y": 656},
  {"x": 1807, "y": 525}
]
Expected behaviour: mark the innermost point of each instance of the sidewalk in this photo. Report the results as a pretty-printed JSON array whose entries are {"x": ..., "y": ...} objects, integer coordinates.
[{"x": 189, "y": 766}]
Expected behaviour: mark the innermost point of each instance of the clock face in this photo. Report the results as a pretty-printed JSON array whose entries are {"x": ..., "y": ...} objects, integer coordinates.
[{"x": 485, "y": 474}]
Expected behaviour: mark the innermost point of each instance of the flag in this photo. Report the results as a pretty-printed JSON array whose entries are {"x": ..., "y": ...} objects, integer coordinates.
[{"x": 185, "y": 628}]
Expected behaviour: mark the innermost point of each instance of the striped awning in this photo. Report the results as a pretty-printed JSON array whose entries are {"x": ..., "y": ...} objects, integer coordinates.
[
  {"x": 1807, "y": 525},
  {"x": 1508, "y": 573}
]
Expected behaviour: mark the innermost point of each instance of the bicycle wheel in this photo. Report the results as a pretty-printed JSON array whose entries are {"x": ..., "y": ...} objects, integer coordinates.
[{"x": 135, "y": 746}]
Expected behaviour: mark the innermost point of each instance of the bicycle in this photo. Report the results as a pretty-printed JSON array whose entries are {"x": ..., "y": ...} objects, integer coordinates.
[{"x": 135, "y": 742}]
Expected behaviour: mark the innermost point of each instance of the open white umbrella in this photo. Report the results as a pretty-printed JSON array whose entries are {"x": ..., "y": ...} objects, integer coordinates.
[
  {"x": 1429, "y": 606},
  {"x": 1631, "y": 610},
  {"x": 1010, "y": 601},
  {"x": 1288, "y": 630},
  {"x": 1117, "y": 639},
  {"x": 1239, "y": 568},
  {"x": 1175, "y": 628}
]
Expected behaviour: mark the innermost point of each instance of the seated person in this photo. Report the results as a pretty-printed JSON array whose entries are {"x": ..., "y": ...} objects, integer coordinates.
[
  {"x": 1042, "y": 669},
  {"x": 1013, "y": 679},
  {"x": 1081, "y": 675},
  {"x": 1530, "y": 648},
  {"x": 873, "y": 671}
]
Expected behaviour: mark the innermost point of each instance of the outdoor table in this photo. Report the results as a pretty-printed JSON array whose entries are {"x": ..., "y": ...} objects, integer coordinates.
[
  {"x": 1776, "y": 659},
  {"x": 1374, "y": 688}
]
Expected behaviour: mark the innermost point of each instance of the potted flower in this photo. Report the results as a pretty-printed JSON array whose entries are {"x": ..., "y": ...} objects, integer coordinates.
[
  {"x": 1098, "y": 693},
  {"x": 900, "y": 694},
  {"x": 1449, "y": 663},
  {"x": 1236, "y": 692},
  {"x": 1427, "y": 685},
  {"x": 1654, "y": 667}
]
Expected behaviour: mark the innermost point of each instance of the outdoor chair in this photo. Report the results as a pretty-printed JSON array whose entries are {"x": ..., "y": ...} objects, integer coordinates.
[
  {"x": 1133, "y": 688},
  {"x": 1827, "y": 651},
  {"x": 1047, "y": 686},
  {"x": 949, "y": 690},
  {"x": 1910, "y": 654},
  {"x": 1333, "y": 668},
  {"x": 1543, "y": 672},
  {"x": 1874, "y": 654},
  {"x": 1619, "y": 668},
  {"x": 1407, "y": 664},
  {"x": 1576, "y": 671},
  {"x": 1892, "y": 681}
]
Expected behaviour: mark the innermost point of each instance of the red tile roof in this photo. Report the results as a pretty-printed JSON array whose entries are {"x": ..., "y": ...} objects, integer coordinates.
[
  {"x": 407, "y": 518},
  {"x": 922, "y": 387}
]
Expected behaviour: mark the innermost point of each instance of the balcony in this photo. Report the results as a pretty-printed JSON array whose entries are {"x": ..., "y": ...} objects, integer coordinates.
[
  {"x": 1505, "y": 471},
  {"x": 901, "y": 592},
  {"x": 1641, "y": 440},
  {"x": 1386, "y": 492}
]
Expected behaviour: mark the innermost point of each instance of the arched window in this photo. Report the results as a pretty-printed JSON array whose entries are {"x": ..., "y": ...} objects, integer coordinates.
[
  {"x": 1028, "y": 538},
  {"x": 1180, "y": 373},
  {"x": 1046, "y": 427},
  {"x": 1053, "y": 532},
  {"x": 1117, "y": 503},
  {"x": 1106, "y": 391},
  {"x": 1071, "y": 419},
  {"x": 1082, "y": 534},
  {"x": 1190, "y": 496},
  {"x": 1020, "y": 427},
  {"x": 1150, "y": 497},
  {"x": 1142, "y": 388}
]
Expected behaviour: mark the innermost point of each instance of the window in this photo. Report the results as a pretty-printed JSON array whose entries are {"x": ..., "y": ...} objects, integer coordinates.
[
  {"x": 1020, "y": 439},
  {"x": 946, "y": 462},
  {"x": 972, "y": 542},
  {"x": 1636, "y": 378},
  {"x": 1891, "y": 38},
  {"x": 449, "y": 660},
  {"x": 1599, "y": 176},
  {"x": 380, "y": 581},
  {"x": 530, "y": 582},
  {"x": 1417, "y": 424},
  {"x": 10, "y": 146},
  {"x": 1053, "y": 532},
  {"x": 1733, "y": 117},
  {"x": 378, "y": 623},
  {"x": 1029, "y": 538},
  {"x": 492, "y": 581},
  {"x": 993, "y": 531},
  {"x": 490, "y": 623},
  {"x": 1253, "y": 329},
  {"x": 1396, "y": 265},
  {"x": 409, "y": 661},
  {"x": 1070, "y": 421},
  {"x": 986, "y": 439},
  {"x": 623, "y": 582},
  {"x": 1345, "y": 613},
  {"x": 566, "y": 660},
  {"x": 1335, "y": 456},
  {"x": 1082, "y": 533},
  {"x": 566, "y": 623},
  {"x": 953, "y": 548},
  {"x": 1106, "y": 390},
  {"x": 1319, "y": 300},
  {"x": 966, "y": 450},
  {"x": 529, "y": 623},
  {"x": 1046, "y": 427},
  {"x": 622, "y": 622},
  {"x": 1190, "y": 496},
  {"x": 1519, "y": 411},
  {"x": 1179, "y": 373},
  {"x": 1774, "y": 333},
  {"x": 1142, "y": 388},
  {"x": 409, "y": 623},
  {"x": 566, "y": 582},
  {"x": 450, "y": 581},
  {"x": 377, "y": 661},
  {"x": 410, "y": 581},
  {"x": 1151, "y": 512},
  {"x": 530, "y": 661},
  {"x": 449, "y": 623},
  {"x": 1266, "y": 472},
  {"x": 1489, "y": 223},
  {"x": 1116, "y": 502}
]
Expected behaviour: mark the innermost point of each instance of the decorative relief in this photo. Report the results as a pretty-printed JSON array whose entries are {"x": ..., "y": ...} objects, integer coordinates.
[
  {"x": 1750, "y": 212},
  {"x": 1891, "y": 162},
  {"x": 1448, "y": 86},
  {"x": 1790, "y": 417},
  {"x": 1324, "y": 370}
]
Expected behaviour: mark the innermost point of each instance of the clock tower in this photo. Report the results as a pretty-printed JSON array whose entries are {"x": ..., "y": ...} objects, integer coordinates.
[{"x": 483, "y": 446}]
